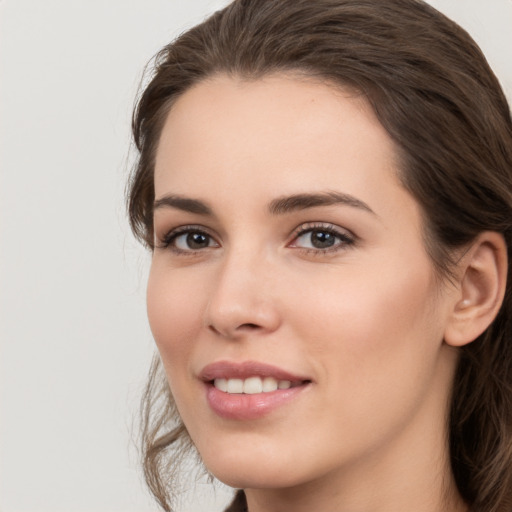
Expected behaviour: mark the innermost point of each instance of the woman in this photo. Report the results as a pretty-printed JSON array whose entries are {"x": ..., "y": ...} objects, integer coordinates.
[{"x": 326, "y": 188}]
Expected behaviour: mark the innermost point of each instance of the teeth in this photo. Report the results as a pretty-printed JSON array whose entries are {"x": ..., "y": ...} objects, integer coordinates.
[
  {"x": 251, "y": 386},
  {"x": 269, "y": 384},
  {"x": 221, "y": 384},
  {"x": 235, "y": 386}
]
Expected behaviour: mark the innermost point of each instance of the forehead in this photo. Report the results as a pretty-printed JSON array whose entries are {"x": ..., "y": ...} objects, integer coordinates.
[{"x": 285, "y": 133}]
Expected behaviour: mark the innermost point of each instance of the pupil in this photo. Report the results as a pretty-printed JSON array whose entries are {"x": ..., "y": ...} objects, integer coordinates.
[
  {"x": 197, "y": 240},
  {"x": 321, "y": 239}
]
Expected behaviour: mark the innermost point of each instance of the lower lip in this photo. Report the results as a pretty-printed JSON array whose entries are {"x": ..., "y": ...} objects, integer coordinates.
[{"x": 249, "y": 407}]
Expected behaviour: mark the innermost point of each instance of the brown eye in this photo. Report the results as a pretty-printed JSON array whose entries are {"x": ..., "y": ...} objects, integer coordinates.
[
  {"x": 319, "y": 238},
  {"x": 197, "y": 240},
  {"x": 193, "y": 241},
  {"x": 322, "y": 239}
]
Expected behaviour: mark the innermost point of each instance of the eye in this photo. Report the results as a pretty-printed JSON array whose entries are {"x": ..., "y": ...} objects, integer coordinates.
[
  {"x": 188, "y": 240},
  {"x": 321, "y": 238}
]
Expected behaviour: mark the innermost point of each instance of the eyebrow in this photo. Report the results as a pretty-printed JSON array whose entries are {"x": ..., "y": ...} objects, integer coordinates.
[
  {"x": 279, "y": 206},
  {"x": 283, "y": 205},
  {"x": 183, "y": 203}
]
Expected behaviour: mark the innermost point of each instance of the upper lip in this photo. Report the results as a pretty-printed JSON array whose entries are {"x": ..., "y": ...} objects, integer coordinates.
[{"x": 244, "y": 370}]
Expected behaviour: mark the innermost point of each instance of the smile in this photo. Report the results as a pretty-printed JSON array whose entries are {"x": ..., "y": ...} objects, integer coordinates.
[
  {"x": 249, "y": 390},
  {"x": 253, "y": 385}
]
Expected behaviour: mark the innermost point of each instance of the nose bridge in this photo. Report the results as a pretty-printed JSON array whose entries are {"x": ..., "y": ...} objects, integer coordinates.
[{"x": 242, "y": 296}]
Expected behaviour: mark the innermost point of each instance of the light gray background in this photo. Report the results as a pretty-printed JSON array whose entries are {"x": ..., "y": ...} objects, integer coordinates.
[{"x": 75, "y": 344}]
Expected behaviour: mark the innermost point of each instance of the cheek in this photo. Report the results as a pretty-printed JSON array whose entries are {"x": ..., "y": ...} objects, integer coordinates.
[
  {"x": 374, "y": 349},
  {"x": 365, "y": 307},
  {"x": 173, "y": 313},
  {"x": 370, "y": 334}
]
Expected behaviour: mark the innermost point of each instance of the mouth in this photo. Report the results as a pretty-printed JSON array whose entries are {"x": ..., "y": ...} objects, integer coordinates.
[
  {"x": 249, "y": 390},
  {"x": 254, "y": 385}
]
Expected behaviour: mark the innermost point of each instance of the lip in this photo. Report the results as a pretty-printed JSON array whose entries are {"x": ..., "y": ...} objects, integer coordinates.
[
  {"x": 249, "y": 406},
  {"x": 246, "y": 369}
]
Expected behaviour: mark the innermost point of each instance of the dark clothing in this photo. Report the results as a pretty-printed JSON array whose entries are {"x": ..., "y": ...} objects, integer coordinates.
[{"x": 239, "y": 504}]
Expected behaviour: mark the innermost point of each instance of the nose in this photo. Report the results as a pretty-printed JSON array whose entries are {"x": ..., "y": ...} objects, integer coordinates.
[{"x": 243, "y": 299}]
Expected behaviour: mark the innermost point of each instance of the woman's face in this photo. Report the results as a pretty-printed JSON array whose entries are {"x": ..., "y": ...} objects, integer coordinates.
[{"x": 289, "y": 256}]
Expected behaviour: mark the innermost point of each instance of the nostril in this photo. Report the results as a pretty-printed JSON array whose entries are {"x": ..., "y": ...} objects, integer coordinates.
[
  {"x": 249, "y": 326},
  {"x": 240, "y": 330},
  {"x": 212, "y": 328}
]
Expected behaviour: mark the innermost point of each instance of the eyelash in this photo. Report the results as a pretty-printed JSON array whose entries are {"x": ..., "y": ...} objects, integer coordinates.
[
  {"x": 344, "y": 238},
  {"x": 169, "y": 240}
]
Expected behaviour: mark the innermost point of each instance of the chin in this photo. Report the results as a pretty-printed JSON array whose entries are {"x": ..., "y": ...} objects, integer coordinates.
[
  {"x": 254, "y": 478},
  {"x": 257, "y": 469}
]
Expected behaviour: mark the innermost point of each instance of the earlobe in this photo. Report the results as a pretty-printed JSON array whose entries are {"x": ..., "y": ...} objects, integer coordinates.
[{"x": 483, "y": 277}]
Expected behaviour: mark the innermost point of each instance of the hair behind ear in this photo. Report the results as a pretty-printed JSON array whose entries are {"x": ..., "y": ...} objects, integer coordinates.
[{"x": 481, "y": 409}]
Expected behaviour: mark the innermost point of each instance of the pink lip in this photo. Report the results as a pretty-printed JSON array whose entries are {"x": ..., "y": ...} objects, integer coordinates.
[
  {"x": 249, "y": 407},
  {"x": 231, "y": 370}
]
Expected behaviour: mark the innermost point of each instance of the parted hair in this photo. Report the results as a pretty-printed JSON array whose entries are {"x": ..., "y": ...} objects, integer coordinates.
[{"x": 435, "y": 94}]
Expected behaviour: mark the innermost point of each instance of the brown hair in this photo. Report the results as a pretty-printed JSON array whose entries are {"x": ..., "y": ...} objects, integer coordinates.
[{"x": 435, "y": 94}]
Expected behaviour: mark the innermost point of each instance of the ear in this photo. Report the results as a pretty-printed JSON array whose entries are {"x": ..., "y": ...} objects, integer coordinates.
[{"x": 480, "y": 290}]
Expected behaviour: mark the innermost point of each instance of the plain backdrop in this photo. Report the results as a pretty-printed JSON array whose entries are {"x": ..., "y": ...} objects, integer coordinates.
[{"x": 75, "y": 344}]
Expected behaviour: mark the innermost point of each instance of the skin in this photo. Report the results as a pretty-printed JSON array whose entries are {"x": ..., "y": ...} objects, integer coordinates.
[{"x": 364, "y": 320}]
